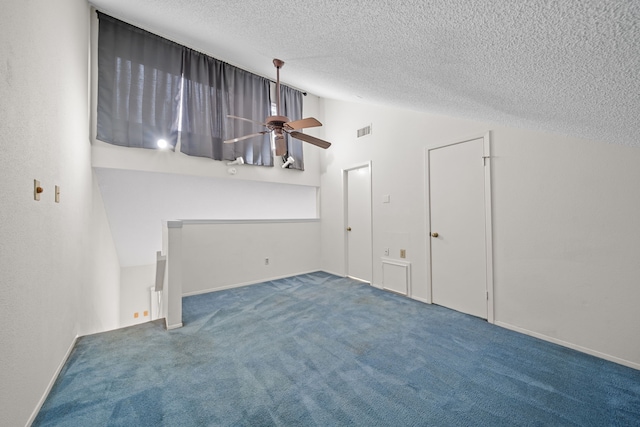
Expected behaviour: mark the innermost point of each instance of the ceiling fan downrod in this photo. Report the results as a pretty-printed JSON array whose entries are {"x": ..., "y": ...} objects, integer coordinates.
[{"x": 278, "y": 63}]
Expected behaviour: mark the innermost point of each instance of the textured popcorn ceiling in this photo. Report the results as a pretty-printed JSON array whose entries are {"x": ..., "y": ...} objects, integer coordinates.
[{"x": 570, "y": 66}]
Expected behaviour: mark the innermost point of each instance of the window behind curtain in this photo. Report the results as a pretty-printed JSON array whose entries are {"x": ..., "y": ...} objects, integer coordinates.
[
  {"x": 212, "y": 91},
  {"x": 139, "y": 80},
  {"x": 291, "y": 100},
  {"x": 150, "y": 88}
]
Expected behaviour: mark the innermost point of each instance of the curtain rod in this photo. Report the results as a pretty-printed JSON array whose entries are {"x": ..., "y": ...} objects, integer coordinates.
[{"x": 282, "y": 84}]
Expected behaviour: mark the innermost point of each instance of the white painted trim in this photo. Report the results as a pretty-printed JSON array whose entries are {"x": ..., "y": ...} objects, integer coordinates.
[
  {"x": 173, "y": 290},
  {"x": 458, "y": 140},
  {"x": 572, "y": 346},
  {"x": 345, "y": 219},
  {"x": 240, "y": 285},
  {"x": 488, "y": 228},
  {"x": 371, "y": 218},
  {"x": 359, "y": 280},
  {"x": 420, "y": 299},
  {"x": 407, "y": 267},
  {"x": 486, "y": 138},
  {"x": 427, "y": 226},
  {"x": 400, "y": 294},
  {"x": 333, "y": 273},
  {"x": 375, "y": 285},
  {"x": 35, "y": 412},
  {"x": 245, "y": 221},
  {"x": 174, "y": 326},
  {"x": 358, "y": 166},
  {"x": 394, "y": 261}
]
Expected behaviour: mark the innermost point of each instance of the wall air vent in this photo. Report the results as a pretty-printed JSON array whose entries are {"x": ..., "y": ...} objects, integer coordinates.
[{"x": 364, "y": 131}]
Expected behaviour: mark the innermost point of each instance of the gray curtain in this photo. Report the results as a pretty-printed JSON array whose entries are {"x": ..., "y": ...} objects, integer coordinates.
[
  {"x": 212, "y": 90},
  {"x": 139, "y": 79},
  {"x": 291, "y": 104}
]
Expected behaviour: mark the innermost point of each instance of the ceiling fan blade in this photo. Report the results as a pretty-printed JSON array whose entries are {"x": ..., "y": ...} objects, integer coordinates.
[
  {"x": 240, "y": 138},
  {"x": 310, "y": 139},
  {"x": 246, "y": 120},
  {"x": 309, "y": 122},
  {"x": 281, "y": 146}
]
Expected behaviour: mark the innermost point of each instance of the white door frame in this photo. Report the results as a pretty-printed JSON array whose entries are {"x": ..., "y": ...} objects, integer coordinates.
[
  {"x": 345, "y": 218},
  {"x": 487, "y": 215}
]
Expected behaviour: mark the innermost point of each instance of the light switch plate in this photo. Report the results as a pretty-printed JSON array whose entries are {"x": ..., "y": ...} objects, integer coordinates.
[{"x": 36, "y": 185}]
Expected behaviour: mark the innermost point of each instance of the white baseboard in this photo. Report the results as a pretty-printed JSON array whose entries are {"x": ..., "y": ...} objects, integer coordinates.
[
  {"x": 375, "y": 285},
  {"x": 393, "y": 291},
  {"x": 570, "y": 345},
  {"x": 35, "y": 412},
  {"x": 239, "y": 285},
  {"x": 365, "y": 282},
  {"x": 174, "y": 326},
  {"x": 333, "y": 273},
  {"x": 424, "y": 300}
]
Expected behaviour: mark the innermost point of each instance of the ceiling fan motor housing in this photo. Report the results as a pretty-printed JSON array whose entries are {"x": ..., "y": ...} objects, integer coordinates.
[{"x": 276, "y": 122}]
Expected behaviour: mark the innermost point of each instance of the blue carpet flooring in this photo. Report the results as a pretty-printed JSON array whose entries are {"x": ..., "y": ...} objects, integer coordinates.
[{"x": 322, "y": 350}]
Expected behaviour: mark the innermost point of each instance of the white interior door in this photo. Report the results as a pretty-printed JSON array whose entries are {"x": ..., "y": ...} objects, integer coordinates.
[
  {"x": 358, "y": 218},
  {"x": 457, "y": 212}
]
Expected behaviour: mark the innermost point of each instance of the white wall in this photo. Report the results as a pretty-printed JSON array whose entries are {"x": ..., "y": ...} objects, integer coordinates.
[
  {"x": 222, "y": 255},
  {"x": 567, "y": 239},
  {"x": 566, "y": 234},
  {"x": 47, "y": 258},
  {"x": 100, "y": 292},
  {"x": 134, "y": 293},
  {"x": 396, "y": 149},
  {"x": 113, "y": 156},
  {"x": 138, "y": 202}
]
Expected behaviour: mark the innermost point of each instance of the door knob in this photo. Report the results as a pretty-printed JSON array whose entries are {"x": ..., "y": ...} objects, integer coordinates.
[
  {"x": 434, "y": 234},
  {"x": 348, "y": 228}
]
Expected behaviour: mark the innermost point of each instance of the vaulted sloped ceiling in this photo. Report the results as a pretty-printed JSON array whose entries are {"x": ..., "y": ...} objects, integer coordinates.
[{"x": 568, "y": 66}]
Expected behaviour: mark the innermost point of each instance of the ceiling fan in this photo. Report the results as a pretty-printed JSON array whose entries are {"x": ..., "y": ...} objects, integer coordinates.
[{"x": 280, "y": 125}]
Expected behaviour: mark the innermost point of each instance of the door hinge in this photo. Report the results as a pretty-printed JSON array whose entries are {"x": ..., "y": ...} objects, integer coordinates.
[
  {"x": 487, "y": 295},
  {"x": 484, "y": 160}
]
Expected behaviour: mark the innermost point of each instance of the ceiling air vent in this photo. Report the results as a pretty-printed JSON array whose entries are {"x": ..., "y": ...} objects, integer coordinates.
[{"x": 364, "y": 131}]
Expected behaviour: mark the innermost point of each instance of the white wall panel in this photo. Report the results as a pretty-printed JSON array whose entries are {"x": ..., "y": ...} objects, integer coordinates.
[
  {"x": 52, "y": 272},
  {"x": 134, "y": 293},
  {"x": 566, "y": 234},
  {"x": 137, "y": 203},
  {"x": 221, "y": 255}
]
